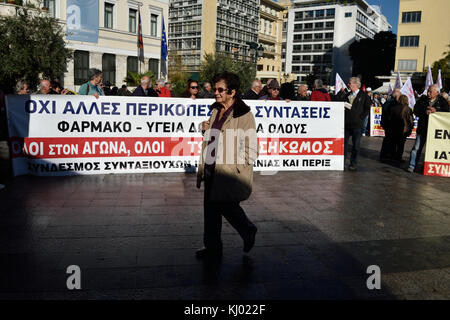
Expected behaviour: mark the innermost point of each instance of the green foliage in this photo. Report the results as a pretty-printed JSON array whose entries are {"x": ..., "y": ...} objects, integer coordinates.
[
  {"x": 31, "y": 45},
  {"x": 133, "y": 79},
  {"x": 217, "y": 63},
  {"x": 177, "y": 76},
  {"x": 444, "y": 65}
]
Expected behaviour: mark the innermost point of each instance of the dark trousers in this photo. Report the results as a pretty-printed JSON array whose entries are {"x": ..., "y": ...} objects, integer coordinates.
[
  {"x": 393, "y": 145},
  {"x": 398, "y": 145},
  {"x": 213, "y": 212},
  {"x": 356, "y": 138}
]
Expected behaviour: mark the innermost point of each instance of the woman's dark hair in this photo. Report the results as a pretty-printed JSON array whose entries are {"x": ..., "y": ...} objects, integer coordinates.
[
  {"x": 232, "y": 81},
  {"x": 187, "y": 92},
  {"x": 93, "y": 72}
]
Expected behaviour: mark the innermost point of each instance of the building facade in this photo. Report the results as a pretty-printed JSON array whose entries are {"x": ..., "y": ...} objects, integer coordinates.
[
  {"x": 423, "y": 34},
  {"x": 320, "y": 32},
  {"x": 270, "y": 38},
  {"x": 115, "y": 52},
  {"x": 199, "y": 27}
]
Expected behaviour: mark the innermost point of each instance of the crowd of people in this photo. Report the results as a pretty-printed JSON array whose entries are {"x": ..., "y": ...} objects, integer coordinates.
[{"x": 397, "y": 117}]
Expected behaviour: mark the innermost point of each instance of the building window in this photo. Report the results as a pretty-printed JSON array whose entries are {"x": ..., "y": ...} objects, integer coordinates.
[
  {"x": 154, "y": 25},
  {"x": 348, "y": 14},
  {"x": 309, "y": 14},
  {"x": 109, "y": 9},
  {"x": 329, "y": 35},
  {"x": 308, "y": 36},
  {"x": 330, "y": 12},
  {"x": 109, "y": 68},
  {"x": 132, "y": 64},
  {"x": 295, "y": 69},
  {"x": 153, "y": 66},
  {"x": 409, "y": 41},
  {"x": 306, "y": 68},
  {"x": 80, "y": 67},
  {"x": 317, "y": 47},
  {"x": 132, "y": 20},
  {"x": 320, "y": 13},
  {"x": 51, "y": 6},
  {"x": 407, "y": 65},
  {"x": 411, "y": 17},
  {"x": 298, "y": 16}
]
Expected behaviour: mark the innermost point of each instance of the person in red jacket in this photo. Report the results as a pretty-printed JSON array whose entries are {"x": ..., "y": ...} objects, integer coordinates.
[
  {"x": 162, "y": 90},
  {"x": 319, "y": 93}
]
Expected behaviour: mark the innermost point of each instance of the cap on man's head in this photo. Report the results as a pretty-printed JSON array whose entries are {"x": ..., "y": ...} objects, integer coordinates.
[{"x": 274, "y": 84}]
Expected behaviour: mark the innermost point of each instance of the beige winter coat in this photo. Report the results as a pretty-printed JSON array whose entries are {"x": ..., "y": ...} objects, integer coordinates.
[{"x": 235, "y": 154}]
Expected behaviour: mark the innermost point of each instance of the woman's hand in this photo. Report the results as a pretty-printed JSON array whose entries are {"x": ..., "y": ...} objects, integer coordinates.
[
  {"x": 96, "y": 95},
  {"x": 205, "y": 125}
]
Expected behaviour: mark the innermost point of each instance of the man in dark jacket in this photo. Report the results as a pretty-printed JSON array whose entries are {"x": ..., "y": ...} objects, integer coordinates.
[
  {"x": 145, "y": 89},
  {"x": 319, "y": 93},
  {"x": 426, "y": 105},
  {"x": 360, "y": 107},
  {"x": 253, "y": 93}
]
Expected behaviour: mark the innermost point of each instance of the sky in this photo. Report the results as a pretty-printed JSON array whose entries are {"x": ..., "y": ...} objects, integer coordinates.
[{"x": 389, "y": 8}]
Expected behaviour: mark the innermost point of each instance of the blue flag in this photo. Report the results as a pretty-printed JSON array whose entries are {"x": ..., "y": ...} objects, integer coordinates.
[{"x": 163, "y": 50}]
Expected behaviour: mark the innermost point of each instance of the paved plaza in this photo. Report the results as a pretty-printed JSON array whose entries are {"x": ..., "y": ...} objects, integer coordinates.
[{"x": 134, "y": 236}]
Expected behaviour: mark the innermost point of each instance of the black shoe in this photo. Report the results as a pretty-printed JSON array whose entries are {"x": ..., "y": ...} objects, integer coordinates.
[
  {"x": 250, "y": 241},
  {"x": 205, "y": 253},
  {"x": 352, "y": 167}
]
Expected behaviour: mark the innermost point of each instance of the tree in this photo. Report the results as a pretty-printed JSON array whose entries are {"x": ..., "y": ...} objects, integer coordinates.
[
  {"x": 177, "y": 74},
  {"x": 374, "y": 57},
  {"x": 31, "y": 45},
  {"x": 217, "y": 63},
  {"x": 444, "y": 65},
  {"x": 133, "y": 79}
]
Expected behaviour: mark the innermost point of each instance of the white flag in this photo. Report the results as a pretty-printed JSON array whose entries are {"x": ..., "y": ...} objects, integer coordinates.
[
  {"x": 439, "y": 80},
  {"x": 428, "y": 81},
  {"x": 398, "y": 82},
  {"x": 390, "y": 90},
  {"x": 339, "y": 84},
  {"x": 408, "y": 91}
]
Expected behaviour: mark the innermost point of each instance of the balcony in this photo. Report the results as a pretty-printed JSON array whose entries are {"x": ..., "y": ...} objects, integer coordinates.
[{"x": 267, "y": 38}]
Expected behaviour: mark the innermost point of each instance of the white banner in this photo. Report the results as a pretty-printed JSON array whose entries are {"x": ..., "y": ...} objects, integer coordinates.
[{"x": 71, "y": 135}]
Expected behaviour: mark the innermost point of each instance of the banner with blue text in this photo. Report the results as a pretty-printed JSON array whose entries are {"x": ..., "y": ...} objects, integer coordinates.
[{"x": 70, "y": 135}]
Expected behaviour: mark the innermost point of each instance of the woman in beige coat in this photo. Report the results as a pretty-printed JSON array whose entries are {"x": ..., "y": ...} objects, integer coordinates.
[{"x": 226, "y": 166}]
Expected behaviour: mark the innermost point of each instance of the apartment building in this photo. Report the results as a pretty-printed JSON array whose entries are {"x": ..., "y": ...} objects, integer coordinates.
[
  {"x": 320, "y": 32},
  {"x": 423, "y": 34},
  {"x": 197, "y": 27}
]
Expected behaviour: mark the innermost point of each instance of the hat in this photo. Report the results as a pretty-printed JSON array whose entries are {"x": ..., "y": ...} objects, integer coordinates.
[{"x": 273, "y": 84}]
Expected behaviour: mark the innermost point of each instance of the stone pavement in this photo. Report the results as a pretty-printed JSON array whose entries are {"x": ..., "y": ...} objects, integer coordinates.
[{"x": 134, "y": 236}]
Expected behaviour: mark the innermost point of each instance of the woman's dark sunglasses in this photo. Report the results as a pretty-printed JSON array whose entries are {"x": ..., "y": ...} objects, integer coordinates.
[
  {"x": 219, "y": 89},
  {"x": 194, "y": 87}
]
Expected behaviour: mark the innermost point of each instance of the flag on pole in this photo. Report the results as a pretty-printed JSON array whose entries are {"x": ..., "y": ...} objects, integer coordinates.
[
  {"x": 439, "y": 80},
  {"x": 390, "y": 90},
  {"x": 140, "y": 40},
  {"x": 339, "y": 84},
  {"x": 163, "y": 50},
  {"x": 398, "y": 82},
  {"x": 428, "y": 81},
  {"x": 408, "y": 91}
]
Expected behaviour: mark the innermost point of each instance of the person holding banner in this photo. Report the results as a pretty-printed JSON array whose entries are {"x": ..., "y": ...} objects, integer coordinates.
[
  {"x": 357, "y": 108},
  {"x": 226, "y": 166},
  {"x": 145, "y": 88},
  {"x": 425, "y": 106},
  {"x": 92, "y": 87}
]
